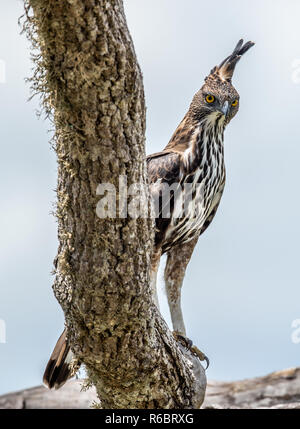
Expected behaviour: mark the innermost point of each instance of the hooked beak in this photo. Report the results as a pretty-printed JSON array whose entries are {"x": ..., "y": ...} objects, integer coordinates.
[{"x": 225, "y": 108}]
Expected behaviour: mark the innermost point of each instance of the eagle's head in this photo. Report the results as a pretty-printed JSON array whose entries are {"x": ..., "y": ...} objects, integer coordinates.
[{"x": 218, "y": 99}]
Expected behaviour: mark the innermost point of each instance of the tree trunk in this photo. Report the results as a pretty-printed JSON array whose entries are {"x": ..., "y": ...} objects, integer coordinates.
[{"x": 91, "y": 85}]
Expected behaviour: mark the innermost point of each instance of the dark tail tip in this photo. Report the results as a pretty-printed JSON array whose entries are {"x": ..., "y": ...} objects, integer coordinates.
[
  {"x": 58, "y": 369},
  {"x": 56, "y": 376}
]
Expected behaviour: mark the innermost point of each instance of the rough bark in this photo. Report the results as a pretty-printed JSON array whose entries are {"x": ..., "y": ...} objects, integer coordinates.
[
  {"x": 91, "y": 84},
  {"x": 277, "y": 390}
]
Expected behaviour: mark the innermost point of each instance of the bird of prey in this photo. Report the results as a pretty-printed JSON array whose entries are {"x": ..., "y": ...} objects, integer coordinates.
[{"x": 186, "y": 182}]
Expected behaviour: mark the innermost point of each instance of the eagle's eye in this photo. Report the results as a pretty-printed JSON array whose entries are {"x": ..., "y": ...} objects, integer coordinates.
[
  {"x": 235, "y": 103},
  {"x": 210, "y": 98}
]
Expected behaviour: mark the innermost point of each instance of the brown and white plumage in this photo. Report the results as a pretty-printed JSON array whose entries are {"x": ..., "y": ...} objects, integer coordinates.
[
  {"x": 194, "y": 160},
  {"x": 58, "y": 369},
  {"x": 194, "y": 156}
]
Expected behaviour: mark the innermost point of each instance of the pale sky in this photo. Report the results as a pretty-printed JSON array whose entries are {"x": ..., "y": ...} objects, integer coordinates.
[{"x": 241, "y": 292}]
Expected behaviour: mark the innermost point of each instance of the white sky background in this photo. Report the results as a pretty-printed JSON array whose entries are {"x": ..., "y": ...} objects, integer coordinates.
[{"x": 241, "y": 289}]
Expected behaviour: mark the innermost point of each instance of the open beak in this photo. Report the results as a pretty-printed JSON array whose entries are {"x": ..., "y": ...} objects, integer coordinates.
[{"x": 225, "y": 108}]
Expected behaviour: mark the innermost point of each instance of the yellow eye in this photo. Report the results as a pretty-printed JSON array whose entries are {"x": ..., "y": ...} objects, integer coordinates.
[
  {"x": 210, "y": 98},
  {"x": 235, "y": 103}
]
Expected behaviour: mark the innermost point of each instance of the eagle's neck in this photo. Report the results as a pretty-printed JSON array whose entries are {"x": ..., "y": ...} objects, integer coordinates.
[{"x": 205, "y": 148}]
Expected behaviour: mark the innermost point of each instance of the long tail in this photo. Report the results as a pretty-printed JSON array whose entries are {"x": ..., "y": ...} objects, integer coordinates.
[{"x": 58, "y": 369}]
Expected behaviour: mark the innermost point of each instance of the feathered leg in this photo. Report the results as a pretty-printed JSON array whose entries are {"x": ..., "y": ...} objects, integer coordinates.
[
  {"x": 153, "y": 274},
  {"x": 177, "y": 260}
]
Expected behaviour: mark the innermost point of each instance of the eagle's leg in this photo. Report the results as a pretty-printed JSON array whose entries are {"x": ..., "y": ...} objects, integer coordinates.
[
  {"x": 186, "y": 342},
  {"x": 153, "y": 274},
  {"x": 177, "y": 260}
]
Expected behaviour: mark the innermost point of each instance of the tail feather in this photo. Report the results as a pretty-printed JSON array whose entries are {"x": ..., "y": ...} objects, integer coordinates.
[{"x": 58, "y": 369}]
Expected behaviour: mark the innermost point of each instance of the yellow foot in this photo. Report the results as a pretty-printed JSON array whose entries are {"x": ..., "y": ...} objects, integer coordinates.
[{"x": 188, "y": 344}]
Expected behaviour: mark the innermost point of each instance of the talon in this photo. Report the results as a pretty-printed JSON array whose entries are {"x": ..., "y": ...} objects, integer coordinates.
[
  {"x": 200, "y": 355},
  {"x": 188, "y": 344}
]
